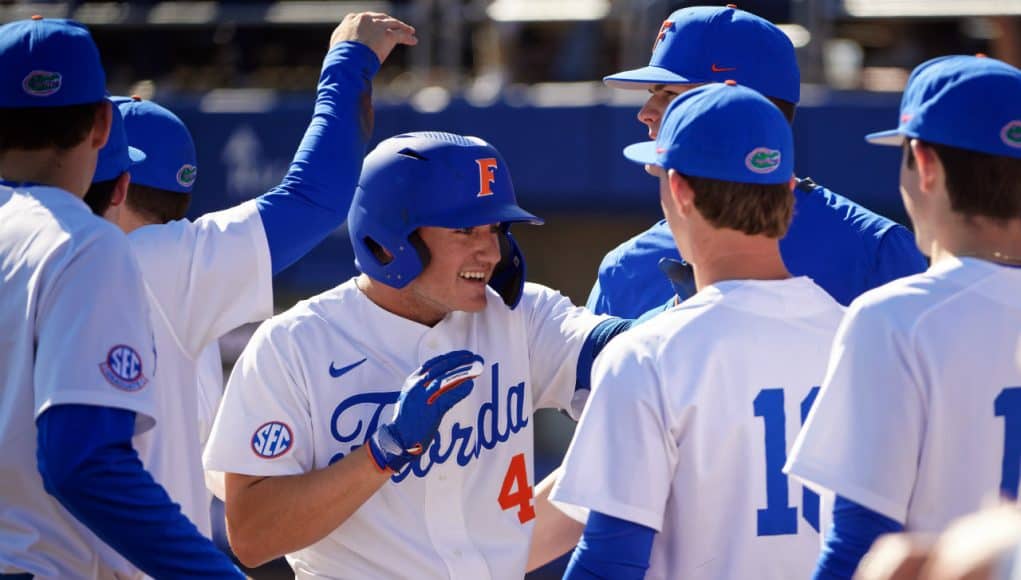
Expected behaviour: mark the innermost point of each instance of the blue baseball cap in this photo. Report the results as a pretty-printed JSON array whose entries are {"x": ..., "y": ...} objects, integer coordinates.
[
  {"x": 170, "y": 162},
  {"x": 48, "y": 62},
  {"x": 705, "y": 44},
  {"x": 968, "y": 102},
  {"x": 725, "y": 132},
  {"x": 116, "y": 156}
]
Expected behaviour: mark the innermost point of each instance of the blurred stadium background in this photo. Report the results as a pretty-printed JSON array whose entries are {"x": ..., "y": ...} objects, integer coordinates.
[{"x": 523, "y": 74}]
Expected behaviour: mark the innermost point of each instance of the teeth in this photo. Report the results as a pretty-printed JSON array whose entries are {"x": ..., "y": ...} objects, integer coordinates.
[{"x": 473, "y": 275}]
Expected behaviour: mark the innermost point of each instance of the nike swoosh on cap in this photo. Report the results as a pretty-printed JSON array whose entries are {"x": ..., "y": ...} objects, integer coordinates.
[
  {"x": 717, "y": 68},
  {"x": 335, "y": 372}
]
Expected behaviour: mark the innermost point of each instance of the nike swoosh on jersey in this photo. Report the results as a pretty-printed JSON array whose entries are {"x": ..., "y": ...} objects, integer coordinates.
[
  {"x": 717, "y": 68},
  {"x": 335, "y": 372}
]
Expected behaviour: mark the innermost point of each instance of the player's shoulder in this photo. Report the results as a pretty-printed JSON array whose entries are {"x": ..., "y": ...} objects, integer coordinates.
[
  {"x": 694, "y": 319},
  {"x": 717, "y": 309},
  {"x": 176, "y": 231},
  {"x": 907, "y": 302},
  {"x": 647, "y": 245},
  {"x": 540, "y": 301},
  {"x": 813, "y": 200},
  {"x": 65, "y": 222},
  {"x": 334, "y": 306}
]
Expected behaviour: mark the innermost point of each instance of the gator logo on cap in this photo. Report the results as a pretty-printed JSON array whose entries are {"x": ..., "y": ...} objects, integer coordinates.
[
  {"x": 41, "y": 83},
  {"x": 762, "y": 160},
  {"x": 187, "y": 174},
  {"x": 1011, "y": 134}
]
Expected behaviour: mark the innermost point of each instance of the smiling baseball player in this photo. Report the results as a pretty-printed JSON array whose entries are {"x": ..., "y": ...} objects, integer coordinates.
[
  {"x": 919, "y": 419},
  {"x": 322, "y": 467},
  {"x": 678, "y": 454},
  {"x": 206, "y": 277}
]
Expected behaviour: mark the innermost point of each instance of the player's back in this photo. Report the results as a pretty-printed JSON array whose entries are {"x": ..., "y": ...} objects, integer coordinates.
[
  {"x": 948, "y": 416},
  {"x": 202, "y": 279},
  {"x": 741, "y": 375},
  {"x": 703, "y": 401}
]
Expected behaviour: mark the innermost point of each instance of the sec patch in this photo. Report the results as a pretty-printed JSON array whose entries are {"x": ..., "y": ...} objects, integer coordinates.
[
  {"x": 272, "y": 439},
  {"x": 123, "y": 368}
]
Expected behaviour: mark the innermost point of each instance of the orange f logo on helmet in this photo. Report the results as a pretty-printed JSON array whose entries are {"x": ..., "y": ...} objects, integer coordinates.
[{"x": 487, "y": 175}]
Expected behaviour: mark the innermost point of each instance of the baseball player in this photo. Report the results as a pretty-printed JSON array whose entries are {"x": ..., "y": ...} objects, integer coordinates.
[
  {"x": 206, "y": 277},
  {"x": 78, "y": 354},
  {"x": 429, "y": 228},
  {"x": 712, "y": 44},
  {"x": 703, "y": 399},
  {"x": 917, "y": 420}
]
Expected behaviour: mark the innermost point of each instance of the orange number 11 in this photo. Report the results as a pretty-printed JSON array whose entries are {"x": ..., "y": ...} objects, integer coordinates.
[{"x": 515, "y": 491}]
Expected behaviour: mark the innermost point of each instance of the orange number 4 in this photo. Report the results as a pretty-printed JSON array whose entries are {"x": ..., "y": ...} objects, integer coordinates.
[{"x": 515, "y": 491}]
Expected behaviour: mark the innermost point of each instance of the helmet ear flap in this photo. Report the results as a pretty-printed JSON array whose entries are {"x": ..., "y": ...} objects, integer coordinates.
[
  {"x": 424, "y": 257},
  {"x": 508, "y": 277},
  {"x": 390, "y": 259}
]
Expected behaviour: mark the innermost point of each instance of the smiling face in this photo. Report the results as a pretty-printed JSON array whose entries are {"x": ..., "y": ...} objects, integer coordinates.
[
  {"x": 660, "y": 96},
  {"x": 460, "y": 265}
]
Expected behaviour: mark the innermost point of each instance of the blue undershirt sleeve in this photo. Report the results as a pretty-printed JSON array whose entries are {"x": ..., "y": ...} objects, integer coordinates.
[
  {"x": 594, "y": 344},
  {"x": 315, "y": 195},
  {"x": 854, "y": 530},
  {"x": 897, "y": 256},
  {"x": 611, "y": 548},
  {"x": 87, "y": 463}
]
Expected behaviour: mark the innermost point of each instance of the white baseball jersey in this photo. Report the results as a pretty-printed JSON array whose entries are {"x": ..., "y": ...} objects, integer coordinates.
[
  {"x": 75, "y": 331},
  {"x": 919, "y": 418},
  {"x": 203, "y": 278},
  {"x": 688, "y": 428},
  {"x": 210, "y": 385},
  {"x": 316, "y": 381}
]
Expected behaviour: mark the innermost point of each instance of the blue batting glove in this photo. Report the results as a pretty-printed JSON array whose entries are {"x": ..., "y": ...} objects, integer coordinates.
[{"x": 427, "y": 395}]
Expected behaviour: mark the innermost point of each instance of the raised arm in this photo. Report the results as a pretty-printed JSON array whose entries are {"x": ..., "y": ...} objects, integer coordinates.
[{"x": 315, "y": 195}]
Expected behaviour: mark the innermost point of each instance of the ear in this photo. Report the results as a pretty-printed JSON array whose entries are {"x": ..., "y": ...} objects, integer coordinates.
[
  {"x": 120, "y": 189},
  {"x": 101, "y": 125},
  {"x": 929, "y": 165},
  {"x": 681, "y": 193}
]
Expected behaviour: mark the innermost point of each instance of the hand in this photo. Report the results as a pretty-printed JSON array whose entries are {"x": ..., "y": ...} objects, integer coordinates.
[
  {"x": 895, "y": 557},
  {"x": 427, "y": 395},
  {"x": 972, "y": 548},
  {"x": 376, "y": 30}
]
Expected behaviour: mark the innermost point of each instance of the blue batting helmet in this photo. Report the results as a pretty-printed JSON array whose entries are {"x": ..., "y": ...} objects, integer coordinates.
[{"x": 432, "y": 179}]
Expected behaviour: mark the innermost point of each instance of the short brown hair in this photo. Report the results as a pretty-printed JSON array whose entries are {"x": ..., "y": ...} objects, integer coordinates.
[
  {"x": 978, "y": 184},
  {"x": 34, "y": 128},
  {"x": 155, "y": 205},
  {"x": 750, "y": 208},
  {"x": 100, "y": 194}
]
